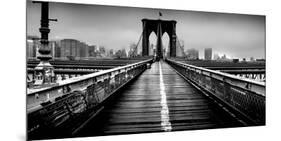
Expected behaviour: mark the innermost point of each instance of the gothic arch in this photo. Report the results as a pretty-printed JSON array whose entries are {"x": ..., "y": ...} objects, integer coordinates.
[{"x": 159, "y": 27}]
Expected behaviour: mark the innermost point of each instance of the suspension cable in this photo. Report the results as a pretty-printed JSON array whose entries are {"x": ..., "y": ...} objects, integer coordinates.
[
  {"x": 182, "y": 49},
  {"x": 136, "y": 48}
]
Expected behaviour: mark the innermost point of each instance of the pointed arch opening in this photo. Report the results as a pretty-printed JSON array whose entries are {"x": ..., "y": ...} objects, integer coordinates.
[
  {"x": 166, "y": 44},
  {"x": 152, "y": 43}
]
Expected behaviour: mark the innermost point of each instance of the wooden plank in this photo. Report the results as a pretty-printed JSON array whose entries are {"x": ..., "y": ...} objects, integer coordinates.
[{"x": 138, "y": 108}]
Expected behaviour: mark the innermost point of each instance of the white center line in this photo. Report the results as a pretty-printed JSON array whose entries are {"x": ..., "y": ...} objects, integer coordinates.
[{"x": 165, "y": 120}]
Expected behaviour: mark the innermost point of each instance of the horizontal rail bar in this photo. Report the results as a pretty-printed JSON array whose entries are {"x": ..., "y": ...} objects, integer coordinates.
[
  {"x": 35, "y": 95},
  {"x": 243, "y": 95},
  {"x": 67, "y": 71},
  {"x": 80, "y": 66},
  {"x": 262, "y": 71},
  {"x": 234, "y": 68}
]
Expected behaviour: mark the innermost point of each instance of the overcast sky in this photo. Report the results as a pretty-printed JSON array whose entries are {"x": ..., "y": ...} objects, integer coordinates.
[{"x": 235, "y": 35}]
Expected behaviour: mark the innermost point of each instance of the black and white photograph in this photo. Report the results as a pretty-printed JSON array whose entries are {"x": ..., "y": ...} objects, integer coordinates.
[{"x": 99, "y": 70}]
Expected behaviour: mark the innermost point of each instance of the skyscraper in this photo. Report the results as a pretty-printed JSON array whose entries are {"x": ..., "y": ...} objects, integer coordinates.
[
  {"x": 69, "y": 47},
  {"x": 92, "y": 51},
  {"x": 111, "y": 52},
  {"x": 208, "y": 54},
  {"x": 192, "y": 54},
  {"x": 83, "y": 50}
]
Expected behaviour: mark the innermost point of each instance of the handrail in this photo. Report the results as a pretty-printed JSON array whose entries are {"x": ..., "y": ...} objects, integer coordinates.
[
  {"x": 258, "y": 83},
  {"x": 88, "y": 76},
  {"x": 73, "y": 81},
  {"x": 245, "y": 96}
]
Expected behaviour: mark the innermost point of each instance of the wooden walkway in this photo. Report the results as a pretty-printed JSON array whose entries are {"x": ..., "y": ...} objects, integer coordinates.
[{"x": 158, "y": 100}]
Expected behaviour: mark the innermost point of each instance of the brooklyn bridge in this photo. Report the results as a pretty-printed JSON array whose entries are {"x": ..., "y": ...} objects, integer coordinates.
[{"x": 140, "y": 95}]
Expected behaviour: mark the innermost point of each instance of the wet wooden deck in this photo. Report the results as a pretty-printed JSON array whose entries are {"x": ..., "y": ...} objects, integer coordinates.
[{"x": 158, "y": 100}]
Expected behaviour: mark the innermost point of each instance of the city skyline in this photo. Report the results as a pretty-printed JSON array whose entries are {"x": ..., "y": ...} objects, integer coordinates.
[
  {"x": 238, "y": 36},
  {"x": 190, "y": 53},
  {"x": 71, "y": 49}
]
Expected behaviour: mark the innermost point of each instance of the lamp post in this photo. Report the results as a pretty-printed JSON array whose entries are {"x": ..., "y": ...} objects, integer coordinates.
[{"x": 44, "y": 71}]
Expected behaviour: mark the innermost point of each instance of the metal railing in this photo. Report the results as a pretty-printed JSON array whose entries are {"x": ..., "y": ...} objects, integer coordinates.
[
  {"x": 71, "y": 101},
  {"x": 245, "y": 96}
]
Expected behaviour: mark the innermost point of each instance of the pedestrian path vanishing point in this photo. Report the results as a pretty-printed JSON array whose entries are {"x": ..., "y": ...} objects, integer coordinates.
[{"x": 158, "y": 100}]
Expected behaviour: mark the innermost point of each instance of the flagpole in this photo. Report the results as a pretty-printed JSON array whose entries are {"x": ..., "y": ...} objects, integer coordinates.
[{"x": 160, "y": 15}]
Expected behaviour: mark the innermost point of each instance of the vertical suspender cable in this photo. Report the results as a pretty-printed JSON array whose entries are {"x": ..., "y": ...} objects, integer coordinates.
[{"x": 182, "y": 49}]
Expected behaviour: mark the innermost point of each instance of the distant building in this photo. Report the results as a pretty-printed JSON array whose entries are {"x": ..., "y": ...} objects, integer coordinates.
[
  {"x": 216, "y": 57},
  {"x": 252, "y": 59},
  {"x": 77, "y": 50},
  {"x": 123, "y": 53},
  {"x": 235, "y": 60},
  {"x": 260, "y": 60},
  {"x": 208, "y": 53},
  {"x": 57, "y": 50},
  {"x": 102, "y": 51},
  {"x": 223, "y": 57},
  {"x": 32, "y": 46},
  {"x": 111, "y": 52},
  {"x": 92, "y": 51},
  {"x": 192, "y": 54},
  {"x": 82, "y": 50},
  {"x": 118, "y": 53},
  {"x": 69, "y": 47},
  {"x": 86, "y": 47}
]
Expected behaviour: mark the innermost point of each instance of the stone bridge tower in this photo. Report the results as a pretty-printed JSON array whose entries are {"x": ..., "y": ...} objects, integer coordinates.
[{"x": 159, "y": 27}]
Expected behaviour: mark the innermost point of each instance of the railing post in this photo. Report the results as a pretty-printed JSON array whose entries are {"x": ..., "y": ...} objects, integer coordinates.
[{"x": 107, "y": 86}]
